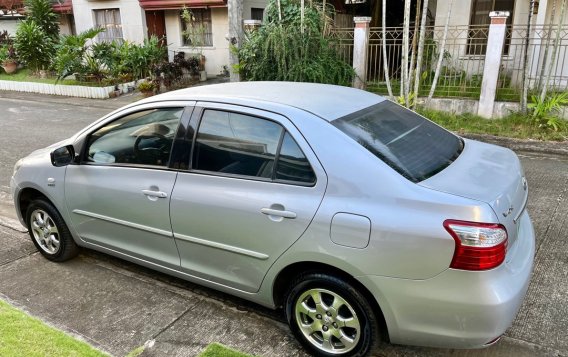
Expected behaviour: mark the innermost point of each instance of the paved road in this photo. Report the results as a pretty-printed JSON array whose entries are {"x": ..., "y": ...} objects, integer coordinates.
[{"x": 118, "y": 306}]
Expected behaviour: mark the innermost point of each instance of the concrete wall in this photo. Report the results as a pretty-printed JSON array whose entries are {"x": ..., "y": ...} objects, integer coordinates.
[
  {"x": 132, "y": 16},
  {"x": 9, "y": 24}
]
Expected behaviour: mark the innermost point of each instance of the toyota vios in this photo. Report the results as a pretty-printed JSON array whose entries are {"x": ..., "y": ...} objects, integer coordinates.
[{"x": 359, "y": 217}]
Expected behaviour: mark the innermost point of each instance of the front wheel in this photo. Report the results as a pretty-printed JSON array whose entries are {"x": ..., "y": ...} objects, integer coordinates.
[
  {"x": 330, "y": 317},
  {"x": 49, "y": 232}
]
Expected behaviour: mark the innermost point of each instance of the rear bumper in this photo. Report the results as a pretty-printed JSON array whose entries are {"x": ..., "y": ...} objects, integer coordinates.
[{"x": 457, "y": 309}]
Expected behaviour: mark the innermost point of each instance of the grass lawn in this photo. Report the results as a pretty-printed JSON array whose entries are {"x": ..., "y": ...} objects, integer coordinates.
[
  {"x": 24, "y": 75},
  {"x": 513, "y": 126},
  {"x": 22, "y": 335},
  {"x": 218, "y": 350}
]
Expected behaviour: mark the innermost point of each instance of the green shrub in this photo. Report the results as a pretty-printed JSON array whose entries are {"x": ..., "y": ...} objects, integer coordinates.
[
  {"x": 71, "y": 53},
  {"x": 41, "y": 12},
  {"x": 283, "y": 51},
  {"x": 545, "y": 113},
  {"x": 33, "y": 45}
]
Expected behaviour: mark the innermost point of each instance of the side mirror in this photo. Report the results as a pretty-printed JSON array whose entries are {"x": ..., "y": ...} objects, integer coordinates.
[{"x": 63, "y": 156}]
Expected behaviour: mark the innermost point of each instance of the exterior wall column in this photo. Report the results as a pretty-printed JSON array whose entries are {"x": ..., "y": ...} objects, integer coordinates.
[
  {"x": 360, "y": 49},
  {"x": 235, "y": 9},
  {"x": 495, "y": 41}
]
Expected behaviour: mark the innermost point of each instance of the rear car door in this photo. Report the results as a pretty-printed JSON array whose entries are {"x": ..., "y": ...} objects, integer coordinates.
[
  {"x": 251, "y": 190},
  {"x": 118, "y": 196}
]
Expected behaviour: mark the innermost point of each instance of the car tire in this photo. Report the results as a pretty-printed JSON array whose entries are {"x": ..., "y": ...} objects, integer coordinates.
[
  {"x": 49, "y": 233},
  {"x": 342, "y": 312}
]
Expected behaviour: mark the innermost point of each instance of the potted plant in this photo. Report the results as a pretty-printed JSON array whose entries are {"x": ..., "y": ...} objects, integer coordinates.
[
  {"x": 8, "y": 59},
  {"x": 146, "y": 88}
]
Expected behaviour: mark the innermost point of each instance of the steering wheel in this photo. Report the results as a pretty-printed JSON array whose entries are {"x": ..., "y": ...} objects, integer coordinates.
[{"x": 155, "y": 154}]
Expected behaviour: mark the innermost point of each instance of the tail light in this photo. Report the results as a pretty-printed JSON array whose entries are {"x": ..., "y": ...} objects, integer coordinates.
[{"x": 479, "y": 246}]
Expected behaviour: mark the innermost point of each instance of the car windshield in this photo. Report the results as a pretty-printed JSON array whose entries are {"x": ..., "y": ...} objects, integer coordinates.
[{"x": 413, "y": 146}]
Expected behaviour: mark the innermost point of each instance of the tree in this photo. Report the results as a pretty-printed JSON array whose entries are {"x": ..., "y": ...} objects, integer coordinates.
[
  {"x": 418, "y": 71},
  {"x": 554, "y": 50},
  {"x": 281, "y": 51},
  {"x": 441, "y": 51},
  {"x": 525, "y": 79},
  {"x": 41, "y": 12},
  {"x": 385, "y": 63},
  {"x": 405, "y": 48}
]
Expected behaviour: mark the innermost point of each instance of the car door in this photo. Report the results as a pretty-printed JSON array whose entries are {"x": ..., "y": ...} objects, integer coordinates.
[
  {"x": 118, "y": 196},
  {"x": 251, "y": 190}
]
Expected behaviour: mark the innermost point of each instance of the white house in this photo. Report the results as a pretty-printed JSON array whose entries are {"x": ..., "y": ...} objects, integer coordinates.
[{"x": 135, "y": 20}]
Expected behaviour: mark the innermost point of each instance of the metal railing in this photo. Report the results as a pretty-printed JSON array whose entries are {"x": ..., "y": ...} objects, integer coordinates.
[{"x": 461, "y": 74}]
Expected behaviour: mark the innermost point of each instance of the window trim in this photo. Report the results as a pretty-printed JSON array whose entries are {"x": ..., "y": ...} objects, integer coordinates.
[
  {"x": 197, "y": 117},
  {"x": 109, "y": 40},
  {"x": 169, "y": 167}
]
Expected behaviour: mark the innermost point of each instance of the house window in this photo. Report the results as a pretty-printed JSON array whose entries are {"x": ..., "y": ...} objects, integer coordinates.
[
  {"x": 479, "y": 24},
  {"x": 109, "y": 19},
  {"x": 256, "y": 13},
  {"x": 197, "y": 32}
]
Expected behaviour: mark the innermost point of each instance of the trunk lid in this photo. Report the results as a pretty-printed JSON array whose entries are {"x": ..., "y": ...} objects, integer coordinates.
[{"x": 487, "y": 173}]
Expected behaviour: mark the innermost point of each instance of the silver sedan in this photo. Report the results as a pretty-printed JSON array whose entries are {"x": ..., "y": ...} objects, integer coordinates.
[{"x": 360, "y": 218}]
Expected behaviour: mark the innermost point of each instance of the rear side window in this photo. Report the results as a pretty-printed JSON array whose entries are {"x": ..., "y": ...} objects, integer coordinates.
[
  {"x": 292, "y": 163},
  {"x": 236, "y": 144},
  {"x": 244, "y": 145},
  {"x": 413, "y": 146}
]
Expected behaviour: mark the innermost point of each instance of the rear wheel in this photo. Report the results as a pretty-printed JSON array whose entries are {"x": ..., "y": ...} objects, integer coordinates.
[
  {"x": 49, "y": 232},
  {"x": 330, "y": 317}
]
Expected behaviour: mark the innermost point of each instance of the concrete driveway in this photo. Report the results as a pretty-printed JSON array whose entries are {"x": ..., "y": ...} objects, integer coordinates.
[{"x": 118, "y": 306}]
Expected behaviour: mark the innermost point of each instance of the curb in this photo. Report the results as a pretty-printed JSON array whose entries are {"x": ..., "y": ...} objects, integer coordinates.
[{"x": 557, "y": 148}]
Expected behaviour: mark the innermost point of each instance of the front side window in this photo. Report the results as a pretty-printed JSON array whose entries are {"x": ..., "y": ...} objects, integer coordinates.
[
  {"x": 244, "y": 145},
  {"x": 109, "y": 20},
  {"x": 413, "y": 146},
  {"x": 197, "y": 29},
  {"x": 141, "y": 138}
]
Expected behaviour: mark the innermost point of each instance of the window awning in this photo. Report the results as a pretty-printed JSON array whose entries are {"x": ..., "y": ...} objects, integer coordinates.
[
  {"x": 63, "y": 6},
  {"x": 179, "y": 4},
  {"x": 13, "y": 6}
]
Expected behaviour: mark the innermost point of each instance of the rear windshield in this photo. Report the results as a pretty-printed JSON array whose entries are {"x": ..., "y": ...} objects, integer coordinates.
[{"x": 413, "y": 146}]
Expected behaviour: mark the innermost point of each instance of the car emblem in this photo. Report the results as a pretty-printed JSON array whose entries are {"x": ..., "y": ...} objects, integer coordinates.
[
  {"x": 525, "y": 185},
  {"x": 509, "y": 211}
]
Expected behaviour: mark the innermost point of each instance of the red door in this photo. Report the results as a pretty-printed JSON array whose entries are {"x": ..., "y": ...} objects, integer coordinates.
[{"x": 156, "y": 23}]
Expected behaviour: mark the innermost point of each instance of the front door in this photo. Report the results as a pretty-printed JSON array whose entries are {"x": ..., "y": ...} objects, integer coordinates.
[
  {"x": 253, "y": 188},
  {"x": 156, "y": 23},
  {"x": 119, "y": 195}
]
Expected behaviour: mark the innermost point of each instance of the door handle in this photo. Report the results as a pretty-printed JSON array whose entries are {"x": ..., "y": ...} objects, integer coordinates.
[
  {"x": 278, "y": 213},
  {"x": 158, "y": 194}
]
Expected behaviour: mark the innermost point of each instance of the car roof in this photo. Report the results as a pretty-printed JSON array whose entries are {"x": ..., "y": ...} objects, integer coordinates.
[{"x": 326, "y": 101}]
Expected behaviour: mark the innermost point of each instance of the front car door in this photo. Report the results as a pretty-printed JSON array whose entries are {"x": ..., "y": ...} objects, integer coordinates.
[
  {"x": 251, "y": 190},
  {"x": 118, "y": 196}
]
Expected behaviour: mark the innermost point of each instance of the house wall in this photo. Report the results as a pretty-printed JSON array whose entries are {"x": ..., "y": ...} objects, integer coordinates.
[
  {"x": 134, "y": 27},
  {"x": 248, "y": 4},
  {"x": 215, "y": 56},
  {"x": 132, "y": 16}
]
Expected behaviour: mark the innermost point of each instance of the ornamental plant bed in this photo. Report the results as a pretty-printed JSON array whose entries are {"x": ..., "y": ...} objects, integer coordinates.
[{"x": 23, "y": 81}]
